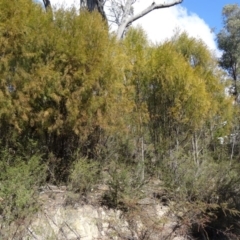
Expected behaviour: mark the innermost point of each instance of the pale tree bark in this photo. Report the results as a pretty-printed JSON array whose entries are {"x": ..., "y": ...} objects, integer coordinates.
[
  {"x": 127, "y": 19},
  {"x": 126, "y": 7}
]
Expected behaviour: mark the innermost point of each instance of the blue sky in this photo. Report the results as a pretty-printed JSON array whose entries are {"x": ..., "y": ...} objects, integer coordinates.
[{"x": 209, "y": 10}]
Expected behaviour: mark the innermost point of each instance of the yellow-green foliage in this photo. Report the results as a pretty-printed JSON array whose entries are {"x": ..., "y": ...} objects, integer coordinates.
[
  {"x": 137, "y": 48},
  {"x": 65, "y": 77},
  {"x": 205, "y": 66},
  {"x": 19, "y": 181},
  {"x": 66, "y": 74},
  {"x": 184, "y": 86},
  {"x": 69, "y": 86},
  {"x": 179, "y": 90},
  {"x": 84, "y": 174}
]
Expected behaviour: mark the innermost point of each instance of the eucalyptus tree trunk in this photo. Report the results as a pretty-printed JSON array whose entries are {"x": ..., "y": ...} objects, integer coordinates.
[
  {"x": 47, "y": 4},
  {"x": 92, "y": 5},
  {"x": 89, "y": 4}
]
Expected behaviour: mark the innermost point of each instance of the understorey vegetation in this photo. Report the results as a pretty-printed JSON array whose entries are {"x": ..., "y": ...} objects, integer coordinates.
[{"x": 78, "y": 107}]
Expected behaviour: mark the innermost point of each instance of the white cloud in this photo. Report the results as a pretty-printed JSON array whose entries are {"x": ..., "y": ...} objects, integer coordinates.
[
  {"x": 161, "y": 24},
  {"x": 65, "y": 3}
]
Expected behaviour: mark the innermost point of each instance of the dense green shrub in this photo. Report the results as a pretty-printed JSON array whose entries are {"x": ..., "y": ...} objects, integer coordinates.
[
  {"x": 205, "y": 196},
  {"x": 84, "y": 174},
  {"x": 124, "y": 185},
  {"x": 20, "y": 178}
]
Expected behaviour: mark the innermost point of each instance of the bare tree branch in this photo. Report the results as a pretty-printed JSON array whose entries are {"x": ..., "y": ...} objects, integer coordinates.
[{"x": 126, "y": 21}]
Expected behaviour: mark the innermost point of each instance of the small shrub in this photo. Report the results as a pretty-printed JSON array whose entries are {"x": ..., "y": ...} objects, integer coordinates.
[
  {"x": 205, "y": 195},
  {"x": 19, "y": 182},
  {"x": 84, "y": 174},
  {"x": 123, "y": 186}
]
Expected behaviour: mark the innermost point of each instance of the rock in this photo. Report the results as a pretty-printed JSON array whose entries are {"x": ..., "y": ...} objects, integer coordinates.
[
  {"x": 146, "y": 201},
  {"x": 58, "y": 221},
  {"x": 103, "y": 187}
]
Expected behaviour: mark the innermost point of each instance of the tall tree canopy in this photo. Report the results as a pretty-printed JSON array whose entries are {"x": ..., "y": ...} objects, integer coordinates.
[
  {"x": 179, "y": 84},
  {"x": 61, "y": 82},
  {"x": 229, "y": 41},
  {"x": 120, "y": 11},
  {"x": 84, "y": 107}
]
